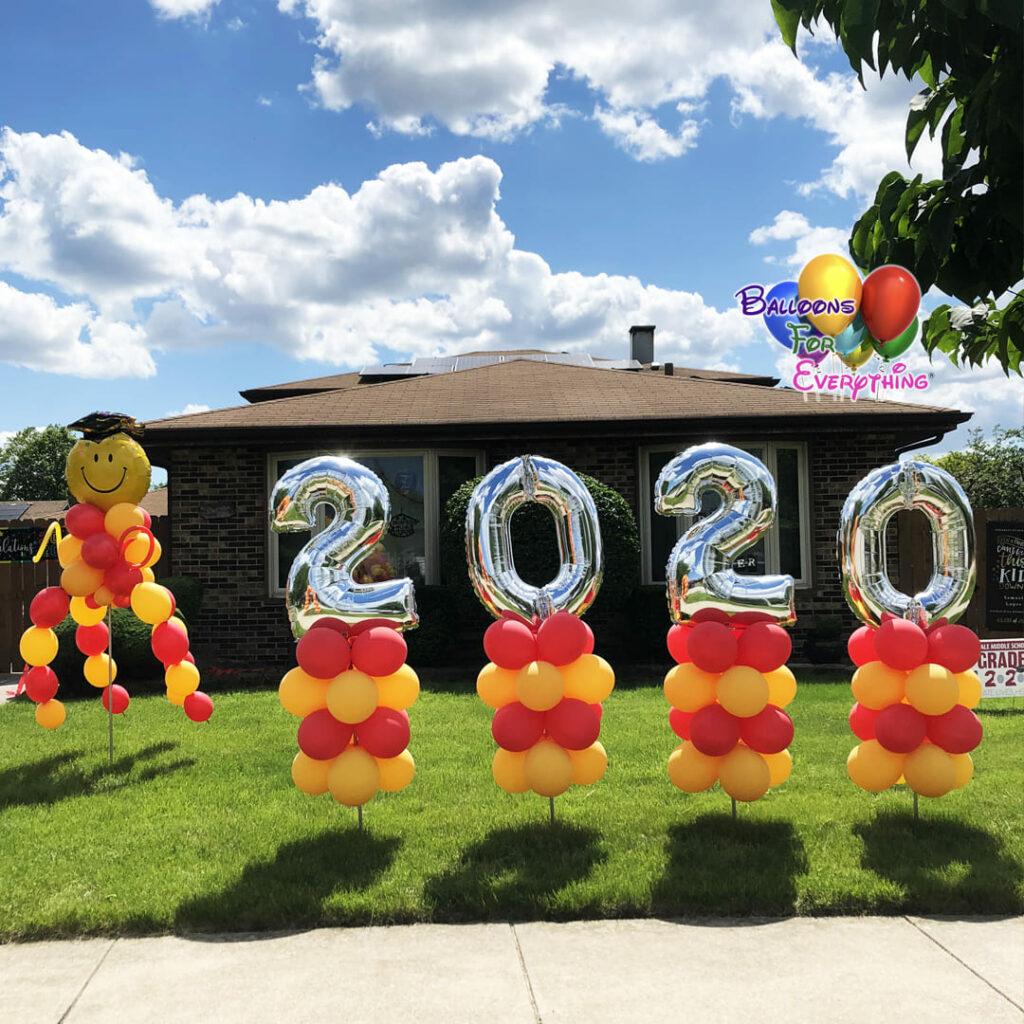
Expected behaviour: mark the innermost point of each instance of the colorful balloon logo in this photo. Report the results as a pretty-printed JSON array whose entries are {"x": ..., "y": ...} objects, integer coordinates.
[{"x": 833, "y": 286}]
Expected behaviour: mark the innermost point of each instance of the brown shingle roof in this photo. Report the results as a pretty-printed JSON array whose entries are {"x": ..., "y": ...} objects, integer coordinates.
[{"x": 527, "y": 392}]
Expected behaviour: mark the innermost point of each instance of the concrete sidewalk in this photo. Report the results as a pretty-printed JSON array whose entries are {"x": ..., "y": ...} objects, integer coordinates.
[{"x": 794, "y": 971}]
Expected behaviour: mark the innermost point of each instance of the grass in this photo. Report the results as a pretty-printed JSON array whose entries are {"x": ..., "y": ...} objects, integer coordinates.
[{"x": 200, "y": 828}]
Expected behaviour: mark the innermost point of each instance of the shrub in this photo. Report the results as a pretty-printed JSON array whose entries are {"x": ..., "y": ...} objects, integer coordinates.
[{"x": 434, "y": 641}]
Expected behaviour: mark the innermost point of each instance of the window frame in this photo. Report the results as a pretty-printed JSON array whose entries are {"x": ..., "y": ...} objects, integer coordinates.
[
  {"x": 431, "y": 496},
  {"x": 771, "y": 548}
]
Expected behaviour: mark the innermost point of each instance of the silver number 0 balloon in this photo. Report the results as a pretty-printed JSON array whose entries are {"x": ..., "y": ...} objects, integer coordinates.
[
  {"x": 320, "y": 580},
  {"x": 492, "y": 568},
  {"x": 861, "y": 543},
  {"x": 699, "y": 573}
]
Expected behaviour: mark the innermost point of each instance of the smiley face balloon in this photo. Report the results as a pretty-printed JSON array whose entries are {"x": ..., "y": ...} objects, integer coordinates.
[{"x": 106, "y": 468}]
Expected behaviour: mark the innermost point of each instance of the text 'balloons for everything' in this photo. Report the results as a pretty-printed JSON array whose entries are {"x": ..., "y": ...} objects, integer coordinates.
[
  {"x": 351, "y": 687},
  {"x": 730, "y": 682},
  {"x": 543, "y": 679}
]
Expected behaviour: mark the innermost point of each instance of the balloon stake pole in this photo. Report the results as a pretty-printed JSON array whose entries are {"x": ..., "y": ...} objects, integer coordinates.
[
  {"x": 110, "y": 680},
  {"x": 915, "y": 807},
  {"x": 360, "y": 810},
  {"x": 733, "y": 808},
  {"x": 551, "y": 809}
]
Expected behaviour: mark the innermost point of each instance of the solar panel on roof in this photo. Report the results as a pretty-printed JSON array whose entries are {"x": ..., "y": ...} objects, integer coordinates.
[
  {"x": 569, "y": 358},
  {"x": 10, "y": 510},
  {"x": 472, "y": 362}
]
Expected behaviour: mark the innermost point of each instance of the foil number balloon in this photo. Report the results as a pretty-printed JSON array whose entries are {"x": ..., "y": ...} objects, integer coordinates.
[
  {"x": 698, "y": 571},
  {"x": 320, "y": 580}
]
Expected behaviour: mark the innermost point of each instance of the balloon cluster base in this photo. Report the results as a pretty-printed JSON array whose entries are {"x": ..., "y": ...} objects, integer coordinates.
[
  {"x": 914, "y": 688},
  {"x": 728, "y": 689},
  {"x": 546, "y": 686},
  {"x": 351, "y": 688}
]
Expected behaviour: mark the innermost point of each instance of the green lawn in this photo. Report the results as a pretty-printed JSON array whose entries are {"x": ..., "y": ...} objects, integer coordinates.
[{"x": 199, "y": 827}]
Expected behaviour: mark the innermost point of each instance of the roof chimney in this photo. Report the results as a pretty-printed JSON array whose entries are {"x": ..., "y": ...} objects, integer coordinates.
[{"x": 641, "y": 344}]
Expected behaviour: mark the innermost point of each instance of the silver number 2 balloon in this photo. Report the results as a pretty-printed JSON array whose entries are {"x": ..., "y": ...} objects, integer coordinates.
[
  {"x": 861, "y": 543},
  {"x": 492, "y": 568},
  {"x": 320, "y": 582},
  {"x": 699, "y": 572}
]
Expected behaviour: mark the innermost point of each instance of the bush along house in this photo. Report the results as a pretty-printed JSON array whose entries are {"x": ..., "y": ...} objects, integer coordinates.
[{"x": 428, "y": 426}]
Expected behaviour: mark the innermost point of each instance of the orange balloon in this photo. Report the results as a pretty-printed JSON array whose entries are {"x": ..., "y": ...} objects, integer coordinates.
[{"x": 833, "y": 285}]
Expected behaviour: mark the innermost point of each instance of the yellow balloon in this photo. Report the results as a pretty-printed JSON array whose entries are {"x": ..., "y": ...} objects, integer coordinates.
[
  {"x": 181, "y": 680},
  {"x": 51, "y": 714},
  {"x": 351, "y": 697},
  {"x": 929, "y": 770},
  {"x": 137, "y": 550},
  {"x": 99, "y": 669},
  {"x": 829, "y": 281},
  {"x": 589, "y": 678},
  {"x": 398, "y": 690},
  {"x": 509, "y": 770},
  {"x": 309, "y": 775},
  {"x": 301, "y": 694},
  {"x": 588, "y": 764},
  {"x": 151, "y": 602},
  {"x": 148, "y": 576},
  {"x": 968, "y": 688},
  {"x": 80, "y": 580},
  {"x": 68, "y": 550},
  {"x": 876, "y": 686},
  {"x": 109, "y": 471},
  {"x": 742, "y": 691},
  {"x": 744, "y": 774},
  {"x": 496, "y": 686},
  {"x": 872, "y": 767},
  {"x": 104, "y": 596},
  {"x": 779, "y": 766},
  {"x": 539, "y": 686},
  {"x": 964, "y": 765},
  {"x": 84, "y": 615},
  {"x": 690, "y": 770},
  {"x": 689, "y": 688},
  {"x": 122, "y": 516},
  {"x": 548, "y": 768},
  {"x": 857, "y": 357},
  {"x": 396, "y": 772},
  {"x": 38, "y": 646},
  {"x": 781, "y": 687},
  {"x": 932, "y": 689},
  {"x": 353, "y": 777}
]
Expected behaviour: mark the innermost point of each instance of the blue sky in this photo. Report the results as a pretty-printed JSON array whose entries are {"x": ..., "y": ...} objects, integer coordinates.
[{"x": 198, "y": 197}]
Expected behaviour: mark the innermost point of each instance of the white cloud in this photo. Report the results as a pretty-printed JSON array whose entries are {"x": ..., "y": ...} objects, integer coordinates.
[
  {"x": 184, "y": 8},
  {"x": 415, "y": 261},
  {"x": 642, "y": 137},
  {"x": 263, "y": 101},
  {"x": 809, "y": 241},
  {"x": 235, "y": 24},
  {"x": 192, "y": 407}
]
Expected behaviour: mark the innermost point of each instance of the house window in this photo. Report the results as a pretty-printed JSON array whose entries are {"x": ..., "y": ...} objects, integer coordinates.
[
  {"x": 785, "y": 548},
  {"x": 418, "y": 484}
]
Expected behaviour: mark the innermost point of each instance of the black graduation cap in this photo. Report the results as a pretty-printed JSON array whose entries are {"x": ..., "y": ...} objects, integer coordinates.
[{"x": 98, "y": 425}]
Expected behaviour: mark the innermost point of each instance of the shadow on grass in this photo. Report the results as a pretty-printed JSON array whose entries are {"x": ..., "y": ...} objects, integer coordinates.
[
  {"x": 943, "y": 866},
  {"x": 289, "y": 891},
  {"x": 724, "y": 867},
  {"x": 59, "y": 777},
  {"x": 512, "y": 873}
]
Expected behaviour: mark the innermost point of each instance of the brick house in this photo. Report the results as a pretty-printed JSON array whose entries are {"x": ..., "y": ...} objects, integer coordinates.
[{"x": 428, "y": 426}]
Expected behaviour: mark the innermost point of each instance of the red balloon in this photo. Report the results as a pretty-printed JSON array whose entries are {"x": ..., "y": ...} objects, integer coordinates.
[
  {"x": 955, "y": 647},
  {"x": 901, "y": 644},
  {"x": 862, "y": 722},
  {"x": 329, "y": 623},
  {"x": 361, "y": 627},
  {"x": 41, "y": 683},
  {"x": 936, "y": 624},
  {"x": 889, "y": 301},
  {"x": 83, "y": 520},
  {"x": 100, "y": 550},
  {"x": 861, "y": 646},
  {"x": 958, "y": 731},
  {"x": 385, "y": 733},
  {"x": 517, "y": 727},
  {"x": 510, "y": 644},
  {"x": 711, "y": 646},
  {"x": 121, "y": 698},
  {"x": 749, "y": 618},
  {"x": 121, "y": 578},
  {"x": 900, "y": 728},
  {"x": 92, "y": 639},
  {"x": 322, "y": 653},
  {"x": 122, "y": 601},
  {"x": 676, "y": 641},
  {"x": 49, "y": 607},
  {"x": 321, "y": 736},
  {"x": 147, "y": 519},
  {"x": 588, "y": 647},
  {"x": 561, "y": 639},
  {"x": 680, "y": 722},
  {"x": 767, "y": 732},
  {"x": 169, "y": 642},
  {"x": 598, "y": 710},
  {"x": 709, "y": 615},
  {"x": 713, "y": 731},
  {"x": 189, "y": 659},
  {"x": 572, "y": 723},
  {"x": 198, "y": 706},
  {"x": 379, "y": 651},
  {"x": 764, "y": 646}
]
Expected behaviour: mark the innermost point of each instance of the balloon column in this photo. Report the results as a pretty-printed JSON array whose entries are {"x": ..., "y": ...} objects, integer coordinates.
[
  {"x": 543, "y": 679},
  {"x": 351, "y": 687},
  {"x": 107, "y": 560},
  {"x": 914, "y": 687},
  {"x": 730, "y": 682}
]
